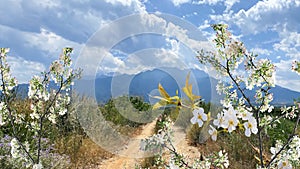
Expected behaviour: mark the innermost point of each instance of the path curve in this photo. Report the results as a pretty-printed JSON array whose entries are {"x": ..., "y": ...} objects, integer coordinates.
[
  {"x": 119, "y": 160},
  {"x": 122, "y": 162}
]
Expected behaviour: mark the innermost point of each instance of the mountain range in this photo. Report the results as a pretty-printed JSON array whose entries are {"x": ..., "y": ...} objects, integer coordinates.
[{"x": 145, "y": 85}]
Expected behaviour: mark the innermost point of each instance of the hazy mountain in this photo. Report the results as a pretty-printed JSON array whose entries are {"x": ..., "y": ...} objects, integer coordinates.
[{"x": 146, "y": 83}]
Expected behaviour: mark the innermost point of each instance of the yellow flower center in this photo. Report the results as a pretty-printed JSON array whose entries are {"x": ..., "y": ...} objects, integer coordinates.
[
  {"x": 284, "y": 164},
  {"x": 199, "y": 117}
]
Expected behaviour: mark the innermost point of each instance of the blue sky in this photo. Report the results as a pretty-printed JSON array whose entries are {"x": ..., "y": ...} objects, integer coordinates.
[{"x": 36, "y": 31}]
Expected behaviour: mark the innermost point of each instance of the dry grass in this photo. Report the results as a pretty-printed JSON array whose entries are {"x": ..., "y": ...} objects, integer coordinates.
[
  {"x": 86, "y": 154},
  {"x": 90, "y": 155},
  {"x": 240, "y": 152}
]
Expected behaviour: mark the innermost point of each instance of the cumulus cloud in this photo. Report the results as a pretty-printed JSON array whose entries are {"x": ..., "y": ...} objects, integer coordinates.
[
  {"x": 41, "y": 46},
  {"x": 179, "y": 2},
  {"x": 33, "y": 51},
  {"x": 260, "y": 51},
  {"x": 209, "y": 2},
  {"x": 290, "y": 44},
  {"x": 260, "y": 17},
  {"x": 284, "y": 77},
  {"x": 177, "y": 33},
  {"x": 227, "y": 3},
  {"x": 24, "y": 70},
  {"x": 273, "y": 19},
  {"x": 48, "y": 41},
  {"x": 73, "y": 20},
  {"x": 136, "y": 4}
]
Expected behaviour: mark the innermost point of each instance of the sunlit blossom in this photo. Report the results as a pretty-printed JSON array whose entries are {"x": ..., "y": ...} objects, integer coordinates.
[
  {"x": 219, "y": 121},
  {"x": 230, "y": 119},
  {"x": 213, "y": 132},
  {"x": 284, "y": 165},
  {"x": 250, "y": 126},
  {"x": 199, "y": 117}
]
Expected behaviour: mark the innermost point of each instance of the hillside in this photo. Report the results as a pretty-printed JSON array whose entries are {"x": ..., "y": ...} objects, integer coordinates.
[{"x": 145, "y": 84}]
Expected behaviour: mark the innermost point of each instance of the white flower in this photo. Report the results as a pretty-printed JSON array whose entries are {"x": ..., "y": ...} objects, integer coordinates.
[
  {"x": 284, "y": 165},
  {"x": 52, "y": 118},
  {"x": 230, "y": 119},
  {"x": 250, "y": 126},
  {"x": 1, "y": 120},
  {"x": 14, "y": 151},
  {"x": 199, "y": 117},
  {"x": 213, "y": 132},
  {"x": 244, "y": 115},
  {"x": 37, "y": 166},
  {"x": 173, "y": 165},
  {"x": 226, "y": 103},
  {"x": 219, "y": 121}
]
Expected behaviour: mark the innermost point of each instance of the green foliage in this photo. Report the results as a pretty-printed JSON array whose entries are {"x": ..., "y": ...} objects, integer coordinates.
[
  {"x": 139, "y": 104},
  {"x": 281, "y": 131},
  {"x": 134, "y": 106},
  {"x": 193, "y": 134},
  {"x": 153, "y": 162}
]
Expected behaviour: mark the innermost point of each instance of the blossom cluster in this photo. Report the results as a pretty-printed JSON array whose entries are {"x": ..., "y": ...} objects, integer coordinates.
[
  {"x": 163, "y": 140},
  {"x": 289, "y": 157},
  {"x": 53, "y": 102},
  {"x": 8, "y": 82},
  {"x": 241, "y": 110},
  {"x": 157, "y": 142},
  {"x": 12, "y": 155},
  {"x": 47, "y": 103},
  {"x": 296, "y": 67}
]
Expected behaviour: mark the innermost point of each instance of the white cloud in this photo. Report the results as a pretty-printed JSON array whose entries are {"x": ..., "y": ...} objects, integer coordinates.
[
  {"x": 260, "y": 51},
  {"x": 285, "y": 77},
  {"x": 274, "y": 16},
  {"x": 49, "y": 42},
  {"x": 47, "y": 3},
  {"x": 227, "y": 3},
  {"x": 119, "y": 30},
  {"x": 179, "y": 2},
  {"x": 136, "y": 4},
  {"x": 204, "y": 25},
  {"x": 44, "y": 47},
  {"x": 110, "y": 63},
  {"x": 123, "y": 2},
  {"x": 261, "y": 16},
  {"x": 40, "y": 46},
  {"x": 24, "y": 70},
  {"x": 209, "y": 2},
  {"x": 290, "y": 44}
]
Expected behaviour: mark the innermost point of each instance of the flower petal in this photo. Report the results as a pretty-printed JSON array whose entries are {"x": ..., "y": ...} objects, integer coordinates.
[{"x": 194, "y": 120}]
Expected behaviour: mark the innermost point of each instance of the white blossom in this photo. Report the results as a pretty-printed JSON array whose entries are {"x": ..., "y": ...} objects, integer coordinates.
[
  {"x": 199, "y": 116},
  {"x": 250, "y": 126},
  {"x": 213, "y": 132}
]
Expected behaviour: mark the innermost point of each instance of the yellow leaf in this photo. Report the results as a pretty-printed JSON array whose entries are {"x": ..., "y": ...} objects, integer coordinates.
[
  {"x": 162, "y": 91},
  {"x": 165, "y": 98},
  {"x": 188, "y": 90},
  {"x": 160, "y": 98},
  {"x": 158, "y": 105}
]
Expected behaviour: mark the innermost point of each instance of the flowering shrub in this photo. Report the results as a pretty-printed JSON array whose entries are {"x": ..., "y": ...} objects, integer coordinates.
[
  {"x": 240, "y": 71},
  {"x": 27, "y": 132},
  {"x": 10, "y": 150}
]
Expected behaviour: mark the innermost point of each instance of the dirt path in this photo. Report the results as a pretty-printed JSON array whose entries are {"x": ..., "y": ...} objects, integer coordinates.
[
  {"x": 131, "y": 155},
  {"x": 128, "y": 157}
]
